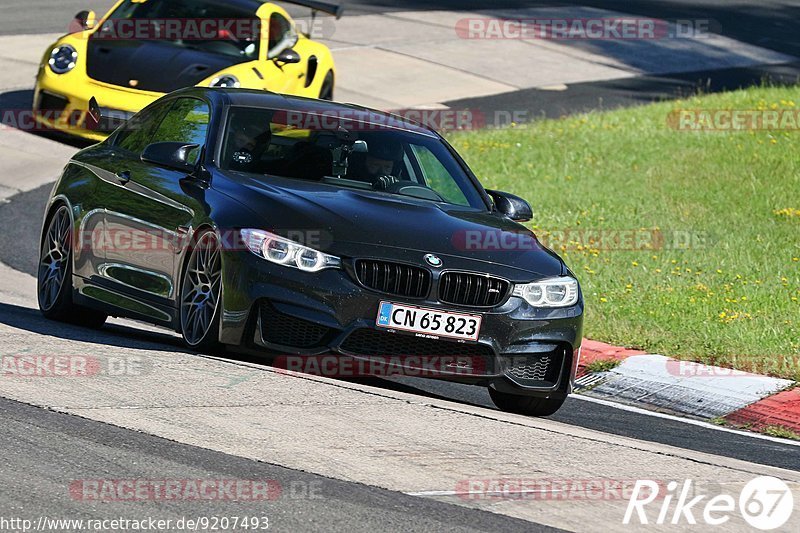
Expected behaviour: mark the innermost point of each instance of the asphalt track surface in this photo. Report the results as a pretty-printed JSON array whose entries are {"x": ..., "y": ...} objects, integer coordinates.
[
  {"x": 766, "y": 23},
  {"x": 49, "y": 450},
  {"x": 769, "y": 24},
  {"x": 18, "y": 250},
  {"x": 42, "y": 449}
]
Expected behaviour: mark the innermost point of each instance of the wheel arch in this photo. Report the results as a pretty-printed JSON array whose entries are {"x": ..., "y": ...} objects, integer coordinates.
[
  {"x": 184, "y": 260},
  {"x": 56, "y": 202},
  {"x": 186, "y": 252}
]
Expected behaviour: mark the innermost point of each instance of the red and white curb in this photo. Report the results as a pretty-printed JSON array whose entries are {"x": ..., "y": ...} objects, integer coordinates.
[{"x": 695, "y": 390}]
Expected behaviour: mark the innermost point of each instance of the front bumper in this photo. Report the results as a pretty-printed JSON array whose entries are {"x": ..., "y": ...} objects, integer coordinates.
[
  {"x": 286, "y": 311},
  {"x": 61, "y": 102}
]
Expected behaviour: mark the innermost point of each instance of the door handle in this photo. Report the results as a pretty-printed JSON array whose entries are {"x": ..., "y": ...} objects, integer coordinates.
[{"x": 124, "y": 176}]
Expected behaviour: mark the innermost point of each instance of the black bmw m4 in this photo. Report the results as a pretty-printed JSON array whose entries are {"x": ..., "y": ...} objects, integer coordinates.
[{"x": 307, "y": 229}]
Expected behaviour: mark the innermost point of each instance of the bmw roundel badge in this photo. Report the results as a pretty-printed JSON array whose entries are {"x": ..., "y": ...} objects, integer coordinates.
[{"x": 433, "y": 260}]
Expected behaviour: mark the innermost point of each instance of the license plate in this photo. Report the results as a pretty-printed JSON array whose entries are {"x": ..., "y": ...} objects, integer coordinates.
[{"x": 428, "y": 321}]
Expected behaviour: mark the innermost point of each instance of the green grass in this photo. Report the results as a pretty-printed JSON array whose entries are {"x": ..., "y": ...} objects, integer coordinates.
[
  {"x": 729, "y": 297},
  {"x": 782, "y": 432},
  {"x": 602, "y": 365}
]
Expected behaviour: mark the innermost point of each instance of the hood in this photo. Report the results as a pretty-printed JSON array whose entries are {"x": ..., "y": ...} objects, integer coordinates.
[
  {"x": 355, "y": 223},
  {"x": 157, "y": 66}
]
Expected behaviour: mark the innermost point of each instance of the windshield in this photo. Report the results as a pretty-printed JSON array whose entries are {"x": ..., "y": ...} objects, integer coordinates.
[
  {"x": 345, "y": 153},
  {"x": 204, "y": 25}
]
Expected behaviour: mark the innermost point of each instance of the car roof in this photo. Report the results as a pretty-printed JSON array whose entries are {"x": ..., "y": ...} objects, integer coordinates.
[{"x": 269, "y": 100}]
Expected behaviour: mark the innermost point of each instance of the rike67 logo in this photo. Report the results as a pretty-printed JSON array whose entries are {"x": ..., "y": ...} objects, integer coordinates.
[{"x": 765, "y": 503}]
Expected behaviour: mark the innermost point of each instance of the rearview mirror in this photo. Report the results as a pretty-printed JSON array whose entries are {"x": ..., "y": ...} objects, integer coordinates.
[
  {"x": 86, "y": 19},
  {"x": 288, "y": 56},
  {"x": 511, "y": 206},
  {"x": 174, "y": 155}
]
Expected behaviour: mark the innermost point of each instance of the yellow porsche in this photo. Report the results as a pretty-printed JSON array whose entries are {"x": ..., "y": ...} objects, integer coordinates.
[{"x": 143, "y": 49}]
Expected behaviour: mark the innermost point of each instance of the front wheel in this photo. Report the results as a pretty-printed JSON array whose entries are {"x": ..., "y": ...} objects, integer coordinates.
[
  {"x": 200, "y": 294},
  {"x": 54, "y": 277},
  {"x": 525, "y": 405}
]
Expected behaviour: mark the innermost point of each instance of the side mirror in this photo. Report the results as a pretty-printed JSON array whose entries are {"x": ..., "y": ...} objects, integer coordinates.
[
  {"x": 174, "y": 155},
  {"x": 86, "y": 19},
  {"x": 511, "y": 206},
  {"x": 288, "y": 57}
]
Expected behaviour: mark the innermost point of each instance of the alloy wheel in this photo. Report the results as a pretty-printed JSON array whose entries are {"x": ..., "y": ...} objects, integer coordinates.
[
  {"x": 201, "y": 290},
  {"x": 54, "y": 259}
]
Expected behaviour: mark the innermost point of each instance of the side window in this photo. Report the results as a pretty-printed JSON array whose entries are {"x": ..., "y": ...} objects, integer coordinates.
[
  {"x": 281, "y": 35},
  {"x": 186, "y": 122},
  {"x": 136, "y": 134}
]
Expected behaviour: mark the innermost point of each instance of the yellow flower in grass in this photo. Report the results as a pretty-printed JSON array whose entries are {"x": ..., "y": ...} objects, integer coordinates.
[
  {"x": 726, "y": 317},
  {"x": 788, "y": 212}
]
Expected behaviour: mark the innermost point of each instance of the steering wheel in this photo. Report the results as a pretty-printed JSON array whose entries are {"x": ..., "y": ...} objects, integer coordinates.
[{"x": 415, "y": 190}]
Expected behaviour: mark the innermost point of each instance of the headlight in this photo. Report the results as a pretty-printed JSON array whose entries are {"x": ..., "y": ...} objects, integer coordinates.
[
  {"x": 288, "y": 253},
  {"x": 63, "y": 59},
  {"x": 551, "y": 292},
  {"x": 227, "y": 81}
]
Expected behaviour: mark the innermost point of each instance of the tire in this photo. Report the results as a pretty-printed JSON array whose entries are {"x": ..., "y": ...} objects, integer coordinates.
[
  {"x": 200, "y": 296},
  {"x": 525, "y": 405},
  {"x": 326, "y": 92},
  {"x": 54, "y": 276}
]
